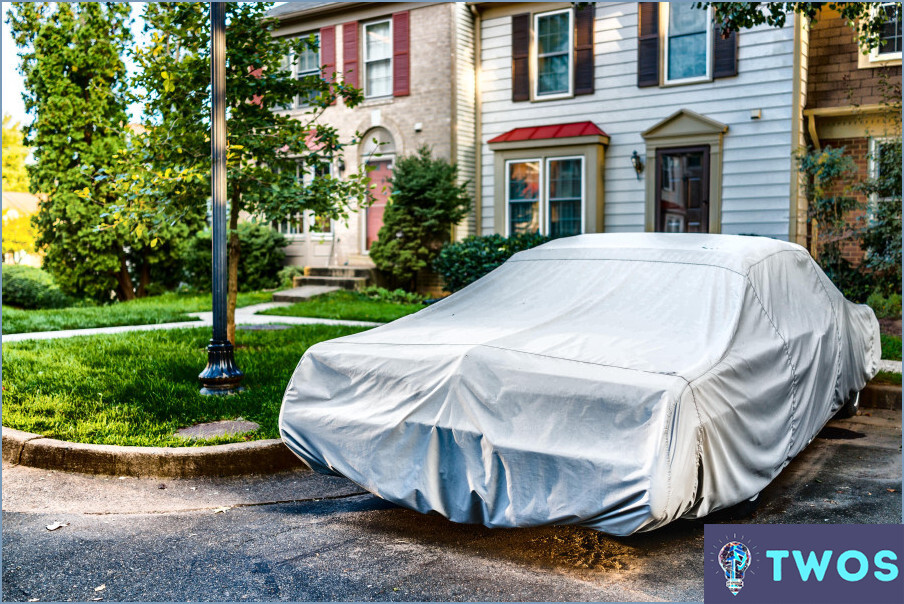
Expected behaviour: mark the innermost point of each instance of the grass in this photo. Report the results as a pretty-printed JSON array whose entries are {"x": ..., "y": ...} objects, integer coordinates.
[
  {"x": 891, "y": 348},
  {"x": 352, "y": 306},
  {"x": 166, "y": 308},
  {"x": 138, "y": 388},
  {"x": 887, "y": 377}
]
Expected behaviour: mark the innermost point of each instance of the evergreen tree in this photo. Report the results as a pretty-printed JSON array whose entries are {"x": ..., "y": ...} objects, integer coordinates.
[{"x": 15, "y": 178}]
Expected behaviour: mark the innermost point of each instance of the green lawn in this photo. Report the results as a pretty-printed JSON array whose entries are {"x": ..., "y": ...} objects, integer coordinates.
[
  {"x": 138, "y": 388},
  {"x": 891, "y": 348},
  {"x": 143, "y": 311},
  {"x": 351, "y": 306}
]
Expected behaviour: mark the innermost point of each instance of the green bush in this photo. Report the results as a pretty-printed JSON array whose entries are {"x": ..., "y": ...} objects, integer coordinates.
[
  {"x": 885, "y": 307},
  {"x": 396, "y": 296},
  {"x": 30, "y": 287},
  {"x": 287, "y": 274},
  {"x": 426, "y": 201},
  {"x": 260, "y": 259},
  {"x": 462, "y": 263}
]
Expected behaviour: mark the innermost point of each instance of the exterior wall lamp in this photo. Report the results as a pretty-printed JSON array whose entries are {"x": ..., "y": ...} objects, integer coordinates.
[{"x": 637, "y": 162}]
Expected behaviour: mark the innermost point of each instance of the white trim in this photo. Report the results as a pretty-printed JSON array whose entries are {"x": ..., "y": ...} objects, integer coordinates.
[
  {"x": 874, "y": 54},
  {"x": 545, "y": 189},
  {"x": 664, "y": 8},
  {"x": 367, "y": 94},
  {"x": 535, "y": 57}
]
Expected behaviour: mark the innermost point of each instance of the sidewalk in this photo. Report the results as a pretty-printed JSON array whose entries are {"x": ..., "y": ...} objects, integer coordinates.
[{"x": 243, "y": 316}]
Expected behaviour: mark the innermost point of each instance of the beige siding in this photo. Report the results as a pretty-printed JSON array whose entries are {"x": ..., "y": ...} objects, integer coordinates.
[
  {"x": 756, "y": 153},
  {"x": 465, "y": 109}
]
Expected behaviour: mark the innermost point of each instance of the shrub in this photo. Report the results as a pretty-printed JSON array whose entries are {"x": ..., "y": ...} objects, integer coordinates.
[
  {"x": 462, "y": 263},
  {"x": 885, "y": 307},
  {"x": 426, "y": 201},
  {"x": 882, "y": 235},
  {"x": 396, "y": 296},
  {"x": 260, "y": 260},
  {"x": 287, "y": 274},
  {"x": 30, "y": 287}
]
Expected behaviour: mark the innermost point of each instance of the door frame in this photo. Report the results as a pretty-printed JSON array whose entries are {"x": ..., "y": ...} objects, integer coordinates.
[{"x": 705, "y": 181}]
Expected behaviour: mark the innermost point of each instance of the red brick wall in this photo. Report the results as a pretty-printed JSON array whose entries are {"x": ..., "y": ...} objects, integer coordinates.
[
  {"x": 858, "y": 150},
  {"x": 834, "y": 80}
]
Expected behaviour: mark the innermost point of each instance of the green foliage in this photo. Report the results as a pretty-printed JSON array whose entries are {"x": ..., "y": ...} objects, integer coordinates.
[
  {"x": 15, "y": 178},
  {"x": 138, "y": 388},
  {"x": 396, "y": 296},
  {"x": 885, "y": 307},
  {"x": 260, "y": 262},
  {"x": 166, "y": 308},
  {"x": 735, "y": 16},
  {"x": 287, "y": 274},
  {"x": 30, "y": 287},
  {"x": 18, "y": 233},
  {"x": 881, "y": 237},
  {"x": 891, "y": 347},
  {"x": 350, "y": 306},
  {"x": 426, "y": 202},
  {"x": 466, "y": 261}
]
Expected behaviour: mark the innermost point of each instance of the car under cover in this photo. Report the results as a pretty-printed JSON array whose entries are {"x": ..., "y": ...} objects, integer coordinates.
[{"x": 616, "y": 381}]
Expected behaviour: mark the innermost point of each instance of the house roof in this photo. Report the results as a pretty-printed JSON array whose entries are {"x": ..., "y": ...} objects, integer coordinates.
[
  {"x": 551, "y": 131},
  {"x": 289, "y": 10}
]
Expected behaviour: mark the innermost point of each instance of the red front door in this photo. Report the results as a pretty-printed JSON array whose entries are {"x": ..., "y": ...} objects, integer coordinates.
[{"x": 379, "y": 194}]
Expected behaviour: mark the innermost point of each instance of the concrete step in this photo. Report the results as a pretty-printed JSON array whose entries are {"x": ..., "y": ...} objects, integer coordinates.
[
  {"x": 350, "y": 283},
  {"x": 304, "y": 292},
  {"x": 340, "y": 271}
]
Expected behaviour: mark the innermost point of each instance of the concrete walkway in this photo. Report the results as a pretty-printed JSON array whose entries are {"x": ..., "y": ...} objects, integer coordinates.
[{"x": 243, "y": 316}]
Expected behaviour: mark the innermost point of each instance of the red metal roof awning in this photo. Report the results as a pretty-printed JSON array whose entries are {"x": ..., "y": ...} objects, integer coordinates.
[{"x": 551, "y": 131}]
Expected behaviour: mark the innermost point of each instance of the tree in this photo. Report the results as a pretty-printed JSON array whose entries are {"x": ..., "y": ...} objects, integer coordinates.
[
  {"x": 425, "y": 203},
  {"x": 265, "y": 147},
  {"x": 18, "y": 234},
  {"x": 15, "y": 178},
  {"x": 76, "y": 86},
  {"x": 735, "y": 16}
]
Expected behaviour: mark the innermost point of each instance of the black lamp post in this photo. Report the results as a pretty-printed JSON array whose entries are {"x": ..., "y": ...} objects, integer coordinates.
[{"x": 221, "y": 376}]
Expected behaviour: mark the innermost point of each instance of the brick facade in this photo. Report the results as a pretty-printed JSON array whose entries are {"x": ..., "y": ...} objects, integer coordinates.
[{"x": 858, "y": 149}]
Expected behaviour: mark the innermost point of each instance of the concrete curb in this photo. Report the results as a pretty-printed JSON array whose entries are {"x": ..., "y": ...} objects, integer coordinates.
[
  {"x": 255, "y": 457},
  {"x": 881, "y": 396}
]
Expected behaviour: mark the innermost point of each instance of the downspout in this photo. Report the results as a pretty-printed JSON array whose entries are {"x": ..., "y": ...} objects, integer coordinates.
[{"x": 478, "y": 123}]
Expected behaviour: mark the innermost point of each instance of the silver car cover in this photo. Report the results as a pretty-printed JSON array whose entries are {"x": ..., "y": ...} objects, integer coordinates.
[{"x": 616, "y": 381}]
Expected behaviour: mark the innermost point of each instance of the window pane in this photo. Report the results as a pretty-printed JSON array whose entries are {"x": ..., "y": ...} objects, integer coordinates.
[
  {"x": 378, "y": 42},
  {"x": 553, "y": 74},
  {"x": 891, "y": 29},
  {"x": 685, "y": 19},
  {"x": 687, "y": 56},
  {"x": 552, "y": 33},
  {"x": 379, "y": 78},
  {"x": 565, "y": 188},
  {"x": 524, "y": 197}
]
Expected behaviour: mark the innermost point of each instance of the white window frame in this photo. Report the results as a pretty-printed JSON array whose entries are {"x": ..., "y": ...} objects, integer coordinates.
[
  {"x": 535, "y": 57},
  {"x": 544, "y": 205},
  {"x": 875, "y": 54},
  {"x": 367, "y": 93},
  {"x": 872, "y": 168},
  {"x": 306, "y": 219},
  {"x": 298, "y": 75},
  {"x": 664, "y": 8}
]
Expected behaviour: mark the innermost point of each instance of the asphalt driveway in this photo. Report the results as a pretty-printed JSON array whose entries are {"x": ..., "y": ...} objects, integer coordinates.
[{"x": 301, "y": 536}]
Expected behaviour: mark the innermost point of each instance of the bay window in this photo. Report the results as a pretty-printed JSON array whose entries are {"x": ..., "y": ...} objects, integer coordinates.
[{"x": 545, "y": 196}]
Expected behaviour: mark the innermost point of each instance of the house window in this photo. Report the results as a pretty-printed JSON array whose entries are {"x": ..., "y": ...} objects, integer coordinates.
[
  {"x": 553, "y": 40},
  {"x": 687, "y": 47},
  {"x": 308, "y": 67},
  {"x": 881, "y": 158},
  {"x": 545, "y": 196},
  {"x": 891, "y": 33},
  {"x": 306, "y": 222},
  {"x": 378, "y": 59}
]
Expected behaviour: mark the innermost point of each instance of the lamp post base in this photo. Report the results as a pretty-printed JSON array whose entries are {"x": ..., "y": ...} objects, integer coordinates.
[{"x": 221, "y": 376}]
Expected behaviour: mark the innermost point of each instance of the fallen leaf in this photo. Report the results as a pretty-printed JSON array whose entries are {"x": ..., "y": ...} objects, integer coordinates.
[
  {"x": 101, "y": 587},
  {"x": 222, "y": 510},
  {"x": 56, "y": 525},
  {"x": 96, "y": 599},
  {"x": 161, "y": 486},
  {"x": 890, "y": 490},
  {"x": 32, "y": 599}
]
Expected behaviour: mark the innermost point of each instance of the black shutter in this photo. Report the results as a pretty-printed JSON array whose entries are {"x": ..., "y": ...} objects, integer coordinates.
[
  {"x": 648, "y": 45},
  {"x": 583, "y": 50},
  {"x": 725, "y": 54},
  {"x": 520, "y": 53}
]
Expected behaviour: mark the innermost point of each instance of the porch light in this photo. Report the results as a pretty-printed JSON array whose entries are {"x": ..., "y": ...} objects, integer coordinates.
[{"x": 637, "y": 162}]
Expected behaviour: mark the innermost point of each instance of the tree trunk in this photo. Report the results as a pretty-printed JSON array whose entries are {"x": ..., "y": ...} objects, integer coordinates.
[
  {"x": 144, "y": 280},
  {"x": 126, "y": 290},
  {"x": 233, "y": 250}
]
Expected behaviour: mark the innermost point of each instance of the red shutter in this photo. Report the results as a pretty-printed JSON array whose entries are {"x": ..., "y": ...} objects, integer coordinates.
[
  {"x": 648, "y": 44},
  {"x": 520, "y": 54},
  {"x": 328, "y": 53},
  {"x": 350, "y": 53},
  {"x": 401, "y": 71},
  {"x": 583, "y": 49},
  {"x": 725, "y": 54}
]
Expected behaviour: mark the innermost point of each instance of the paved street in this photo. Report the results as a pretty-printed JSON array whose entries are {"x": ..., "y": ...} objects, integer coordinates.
[{"x": 301, "y": 536}]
